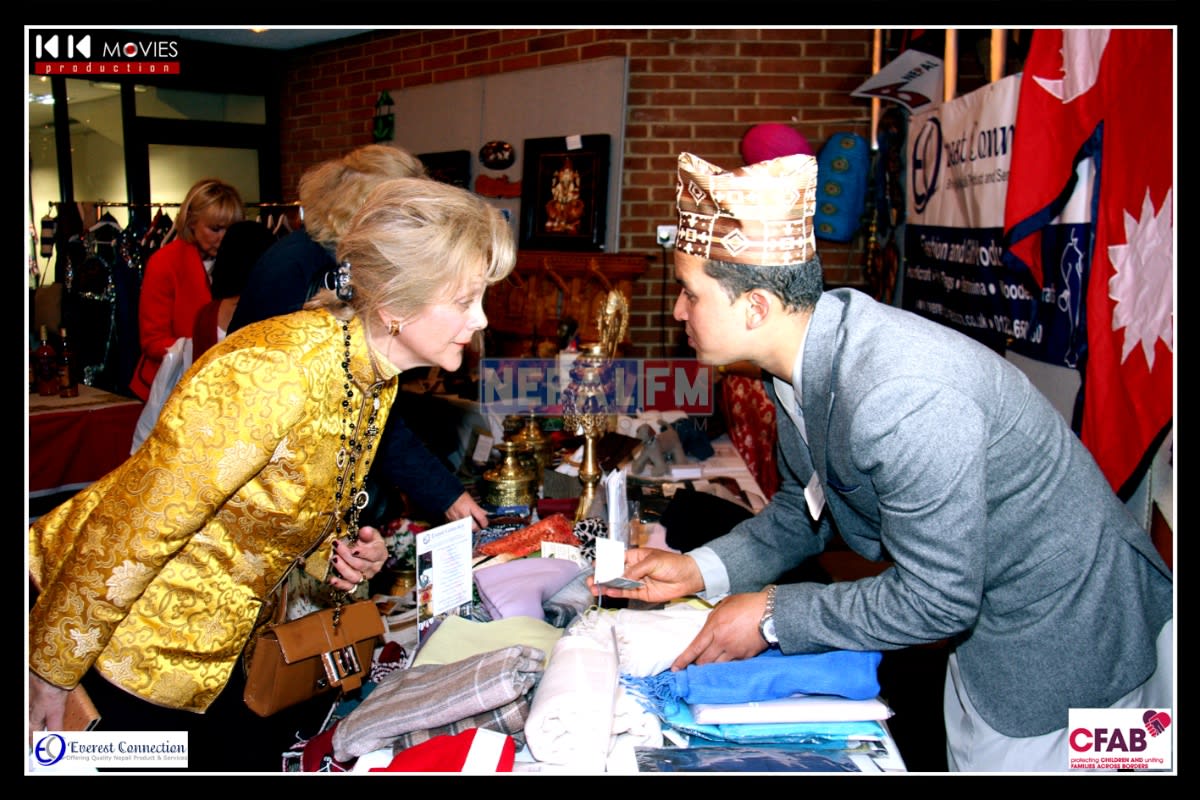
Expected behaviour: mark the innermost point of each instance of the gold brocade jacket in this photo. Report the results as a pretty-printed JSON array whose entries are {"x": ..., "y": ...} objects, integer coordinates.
[{"x": 156, "y": 572}]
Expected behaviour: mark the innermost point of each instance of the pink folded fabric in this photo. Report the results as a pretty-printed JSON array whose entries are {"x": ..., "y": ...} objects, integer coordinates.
[{"x": 518, "y": 588}]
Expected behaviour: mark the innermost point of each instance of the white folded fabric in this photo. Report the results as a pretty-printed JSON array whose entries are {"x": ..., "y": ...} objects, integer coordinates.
[
  {"x": 571, "y": 719},
  {"x": 648, "y": 640}
]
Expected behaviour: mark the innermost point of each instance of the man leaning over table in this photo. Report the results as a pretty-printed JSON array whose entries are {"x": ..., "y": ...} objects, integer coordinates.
[{"x": 921, "y": 446}]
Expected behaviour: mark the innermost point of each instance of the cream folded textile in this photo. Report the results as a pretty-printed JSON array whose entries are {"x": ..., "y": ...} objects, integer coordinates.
[{"x": 571, "y": 720}]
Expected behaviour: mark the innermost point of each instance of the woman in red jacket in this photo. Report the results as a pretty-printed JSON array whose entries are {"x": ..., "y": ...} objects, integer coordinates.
[{"x": 176, "y": 283}]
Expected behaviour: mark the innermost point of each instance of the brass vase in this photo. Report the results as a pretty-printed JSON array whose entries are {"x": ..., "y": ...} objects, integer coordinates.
[
  {"x": 510, "y": 483},
  {"x": 538, "y": 448}
]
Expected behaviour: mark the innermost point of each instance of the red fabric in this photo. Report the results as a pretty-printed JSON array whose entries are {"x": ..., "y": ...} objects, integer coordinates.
[
  {"x": 446, "y": 754},
  {"x": 204, "y": 332},
  {"x": 555, "y": 528},
  {"x": 750, "y": 417},
  {"x": 174, "y": 289},
  {"x": 1128, "y": 388},
  {"x": 317, "y": 755},
  {"x": 79, "y": 445}
]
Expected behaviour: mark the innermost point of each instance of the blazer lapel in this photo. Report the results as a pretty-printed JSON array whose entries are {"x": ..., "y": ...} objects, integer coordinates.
[{"x": 820, "y": 344}]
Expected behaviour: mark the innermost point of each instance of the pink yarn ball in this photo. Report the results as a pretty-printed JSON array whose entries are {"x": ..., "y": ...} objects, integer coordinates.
[{"x": 773, "y": 140}]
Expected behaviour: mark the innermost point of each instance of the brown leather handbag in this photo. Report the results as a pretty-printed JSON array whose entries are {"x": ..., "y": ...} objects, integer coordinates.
[{"x": 329, "y": 649}]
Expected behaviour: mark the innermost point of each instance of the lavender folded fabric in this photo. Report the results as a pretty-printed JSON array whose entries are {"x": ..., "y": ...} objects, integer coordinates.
[
  {"x": 437, "y": 694},
  {"x": 519, "y": 587}
]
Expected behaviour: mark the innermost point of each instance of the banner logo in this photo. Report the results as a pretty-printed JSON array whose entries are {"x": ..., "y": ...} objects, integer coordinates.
[{"x": 926, "y": 162}]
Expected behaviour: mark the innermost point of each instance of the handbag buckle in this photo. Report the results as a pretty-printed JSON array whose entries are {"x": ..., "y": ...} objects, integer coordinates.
[{"x": 341, "y": 664}]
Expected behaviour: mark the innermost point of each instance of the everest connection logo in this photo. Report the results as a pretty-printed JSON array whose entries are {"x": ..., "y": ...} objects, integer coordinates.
[{"x": 82, "y": 54}]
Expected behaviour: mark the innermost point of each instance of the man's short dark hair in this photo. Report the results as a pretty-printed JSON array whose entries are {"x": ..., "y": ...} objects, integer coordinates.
[{"x": 798, "y": 286}]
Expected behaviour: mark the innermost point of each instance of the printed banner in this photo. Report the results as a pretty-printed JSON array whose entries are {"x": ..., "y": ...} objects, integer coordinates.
[
  {"x": 959, "y": 166},
  {"x": 914, "y": 80}
]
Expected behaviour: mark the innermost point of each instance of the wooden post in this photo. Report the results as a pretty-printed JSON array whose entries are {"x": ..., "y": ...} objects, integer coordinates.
[
  {"x": 876, "y": 58},
  {"x": 998, "y": 53},
  {"x": 950, "y": 65}
]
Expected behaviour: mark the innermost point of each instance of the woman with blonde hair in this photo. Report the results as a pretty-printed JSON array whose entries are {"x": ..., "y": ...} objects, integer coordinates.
[
  {"x": 303, "y": 262},
  {"x": 151, "y": 581},
  {"x": 176, "y": 283}
]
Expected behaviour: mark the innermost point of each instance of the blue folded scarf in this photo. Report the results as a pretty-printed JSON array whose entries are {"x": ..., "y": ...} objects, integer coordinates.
[
  {"x": 836, "y": 735},
  {"x": 767, "y": 676}
]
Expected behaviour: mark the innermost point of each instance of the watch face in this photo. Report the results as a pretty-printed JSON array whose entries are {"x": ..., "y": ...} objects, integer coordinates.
[{"x": 766, "y": 629}]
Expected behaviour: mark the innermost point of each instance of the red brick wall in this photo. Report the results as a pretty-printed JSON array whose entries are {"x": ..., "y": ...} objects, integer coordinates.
[{"x": 695, "y": 90}]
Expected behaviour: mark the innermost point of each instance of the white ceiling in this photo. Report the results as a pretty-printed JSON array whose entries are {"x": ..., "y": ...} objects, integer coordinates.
[{"x": 281, "y": 38}]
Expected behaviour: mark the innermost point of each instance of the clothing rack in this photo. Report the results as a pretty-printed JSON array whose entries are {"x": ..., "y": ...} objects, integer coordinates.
[
  {"x": 100, "y": 205},
  {"x": 117, "y": 204}
]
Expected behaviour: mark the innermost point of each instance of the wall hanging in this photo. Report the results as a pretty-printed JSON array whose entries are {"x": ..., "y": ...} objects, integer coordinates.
[{"x": 564, "y": 192}]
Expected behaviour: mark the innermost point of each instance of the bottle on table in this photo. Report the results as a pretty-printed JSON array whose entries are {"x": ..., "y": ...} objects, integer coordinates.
[
  {"x": 68, "y": 367},
  {"x": 45, "y": 366}
]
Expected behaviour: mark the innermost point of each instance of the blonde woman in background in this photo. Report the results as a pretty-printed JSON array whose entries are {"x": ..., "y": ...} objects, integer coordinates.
[{"x": 176, "y": 284}]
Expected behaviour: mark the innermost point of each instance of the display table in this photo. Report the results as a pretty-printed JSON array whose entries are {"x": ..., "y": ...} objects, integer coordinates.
[
  {"x": 75, "y": 440},
  {"x": 636, "y": 744}
]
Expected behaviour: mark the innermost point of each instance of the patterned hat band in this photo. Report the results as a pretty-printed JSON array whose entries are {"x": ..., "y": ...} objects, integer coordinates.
[{"x": 761, "y": 214}]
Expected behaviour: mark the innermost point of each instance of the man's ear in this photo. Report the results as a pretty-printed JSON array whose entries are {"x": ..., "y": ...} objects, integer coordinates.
[{"x": 758, "y": 307}]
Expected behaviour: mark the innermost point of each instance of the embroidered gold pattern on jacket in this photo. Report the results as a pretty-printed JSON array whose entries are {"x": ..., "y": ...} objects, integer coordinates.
[{"x": 176, "y": 548}]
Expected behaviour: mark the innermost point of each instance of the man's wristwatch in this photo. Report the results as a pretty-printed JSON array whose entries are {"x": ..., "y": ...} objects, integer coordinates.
[{"x": 766, "y": 625}]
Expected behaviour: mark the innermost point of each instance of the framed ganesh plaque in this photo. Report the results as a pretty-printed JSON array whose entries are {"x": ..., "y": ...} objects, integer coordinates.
[{"x": 564, "y": 192}]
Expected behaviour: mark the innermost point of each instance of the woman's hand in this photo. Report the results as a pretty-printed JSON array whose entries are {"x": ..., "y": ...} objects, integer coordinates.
[
  {"x": 465, "y": 506},
  {"x": 47, "y": 703},
  {"x": 357, "y": 562},
  {"x": 664, "y": 575}
]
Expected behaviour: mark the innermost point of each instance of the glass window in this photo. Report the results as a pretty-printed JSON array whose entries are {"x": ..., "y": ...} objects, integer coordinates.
[
  {"x": 174, "y": 168},
  {"x": 97, "y": 143},
  {"x": 164, "y": 103}
]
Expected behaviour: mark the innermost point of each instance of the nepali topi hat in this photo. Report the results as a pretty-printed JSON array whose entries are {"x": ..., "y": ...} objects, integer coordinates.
[{"x": 760, "y": 214}]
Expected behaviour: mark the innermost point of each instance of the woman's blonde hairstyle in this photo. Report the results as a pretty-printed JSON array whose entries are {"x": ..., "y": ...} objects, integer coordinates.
[
  {"x": 417, "y": 241},
  {"x": 212, "y": 198},
  {"x": 333, "y": 191}
]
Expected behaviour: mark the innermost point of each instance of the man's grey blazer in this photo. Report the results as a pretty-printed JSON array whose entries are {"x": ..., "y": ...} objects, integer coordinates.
[{"x": 937, "y": 454}]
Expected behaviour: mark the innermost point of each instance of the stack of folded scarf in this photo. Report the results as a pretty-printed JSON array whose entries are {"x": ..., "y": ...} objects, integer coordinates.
[
  {"x": 768, "y": 676},
  {"x": 490, "y": 690}
]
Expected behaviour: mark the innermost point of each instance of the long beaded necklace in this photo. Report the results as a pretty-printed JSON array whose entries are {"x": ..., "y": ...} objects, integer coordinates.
[{"x": 357, "y": 444}]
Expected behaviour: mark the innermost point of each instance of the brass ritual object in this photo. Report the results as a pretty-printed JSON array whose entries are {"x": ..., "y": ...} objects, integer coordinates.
[
  {"x": 510, "y": 483},
  {"x": 588, "y": 402},
  {"x": 538, "y": 449}
]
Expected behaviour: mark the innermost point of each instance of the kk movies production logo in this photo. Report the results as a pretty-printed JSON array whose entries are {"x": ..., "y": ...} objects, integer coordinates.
[{"x": 93, "y": 53}]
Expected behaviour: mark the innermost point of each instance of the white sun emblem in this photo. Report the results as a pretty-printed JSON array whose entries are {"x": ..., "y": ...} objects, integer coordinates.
[{"x": 1141, "y": 284}]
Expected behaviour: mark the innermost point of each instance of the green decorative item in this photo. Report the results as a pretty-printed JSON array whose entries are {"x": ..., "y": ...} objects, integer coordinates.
[{"x": 384, "y": 127}]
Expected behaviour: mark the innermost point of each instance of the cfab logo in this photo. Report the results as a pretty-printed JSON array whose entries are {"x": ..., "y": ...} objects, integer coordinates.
[{"x": 1119, "y": 738}]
